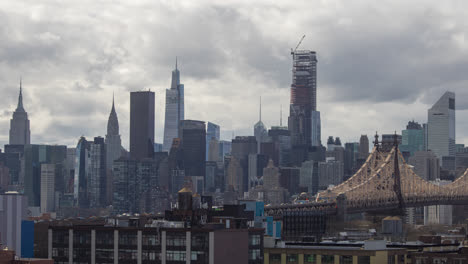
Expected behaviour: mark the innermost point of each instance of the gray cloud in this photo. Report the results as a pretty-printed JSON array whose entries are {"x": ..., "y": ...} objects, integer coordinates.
[{"x": 374, "y": 60}]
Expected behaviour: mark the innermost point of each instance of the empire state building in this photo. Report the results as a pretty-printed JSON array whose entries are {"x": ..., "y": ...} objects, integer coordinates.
[{"x": 19, "y": 124}]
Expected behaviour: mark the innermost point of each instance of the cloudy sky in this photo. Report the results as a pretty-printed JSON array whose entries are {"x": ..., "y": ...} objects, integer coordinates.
[{"x": 381, "y": 63}]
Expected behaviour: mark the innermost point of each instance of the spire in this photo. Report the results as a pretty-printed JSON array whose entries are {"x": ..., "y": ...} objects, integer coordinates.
[
  {"x": 175, "y": 82},
  {"x": 20, "y": 98},
  {"x": 113, "y": 122},
  {"x": 176, "y": 62},
  {"x": 260, "y": 114},
  {"x": 113, "y": 108}
]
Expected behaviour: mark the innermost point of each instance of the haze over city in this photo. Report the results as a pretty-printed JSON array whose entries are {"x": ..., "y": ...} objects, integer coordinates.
[{"x": 379, "y": 64}]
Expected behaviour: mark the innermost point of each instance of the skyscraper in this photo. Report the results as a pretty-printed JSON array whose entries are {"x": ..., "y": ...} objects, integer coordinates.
[
  {"x": 212, "y": 132},
  {"x": 192, "y": 134},
  {"x": 141, "y": 124},
  {"x": 260, "y": 131},
  {"x": 302, "y": 122},
  {"x": 19, "y": 124},
  {"x": 441, "y": 126},
  {"x": 113, "y": 142},
  {"x": 412, "y": 138},
  {"x": 174, "y": 109},
  {"x": 363, "y": 147}
]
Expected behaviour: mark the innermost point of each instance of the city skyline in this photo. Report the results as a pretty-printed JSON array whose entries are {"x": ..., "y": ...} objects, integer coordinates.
[{"x": 58, "y": 105}]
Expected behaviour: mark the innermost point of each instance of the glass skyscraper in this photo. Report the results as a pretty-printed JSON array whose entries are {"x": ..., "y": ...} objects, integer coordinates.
[
  {"x": 441, "y": 126},
  {"x": 174, "y": 109},
  {"x": 212, "y": 131},
  {"x": 141, "y": 124}
]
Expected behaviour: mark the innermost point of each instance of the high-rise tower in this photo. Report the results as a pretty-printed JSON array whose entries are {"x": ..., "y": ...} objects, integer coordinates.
[
  {"x": 441, "y": 127},
  {"x": 303, "y": 120},
  {"x": 174, "y": 109},
  {"x": 113, "y": 141},
  {"x": 19, "y": 124},
  {"x": 260, "y": 131},
  {"x": 141, "y": 124}
]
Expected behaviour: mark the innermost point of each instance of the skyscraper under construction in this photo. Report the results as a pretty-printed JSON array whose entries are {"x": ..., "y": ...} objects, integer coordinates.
[{"x": 304, "y": 119}]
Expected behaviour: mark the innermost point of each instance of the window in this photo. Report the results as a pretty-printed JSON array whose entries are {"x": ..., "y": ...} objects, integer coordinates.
[
  {"x": 254, "y": 240},
  {"x": 150, "y": 240},
  {"x": 275, "y": 257},
  {"x": 363, "y": 260},
  {"x": 310, "y": 258},
  {"x": 128, "y": 238},
  {"x": 328, "y": 259},
  {"x": 291, "y": 258},
  {"x": 254, "y": 254},
  {"x": 346, "y": 259},
  {"x": 391, "y": 259},
  {"x": 176, "y": 239},
  {"x": 199, "y": 241},
  {"x": 174, "y": 255}
]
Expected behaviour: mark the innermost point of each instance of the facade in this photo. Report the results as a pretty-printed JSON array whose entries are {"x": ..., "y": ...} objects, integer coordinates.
[
  {"x": 331, "y": 172},
  {"x": 438, "y": 214},
  {"x": 308, "y": 178},
  {"x": 371, "y": 252},
  {"x": 19, "y": 124},
  {"x": 241, "y": 148},
  {"x": 13, "y": 209},
  {"x": 412, "y": 138},
  {"x": 316, "y": 130},
  {"x": 136, "y": 186},
  {"x": 363, "y": 147},
  {"x": 212, "y": 132},
  {"x": 34, "y": 156},
  {"x": 113, "y": 148},
  {"x": 12, "y": 160},
  {"x": 224, "y": 148},
  {"x": 97, "y": 188},
  {"x": 426, "y": 165},
  {"x": 192, "y": 134},
  {"x": 303, "y": 97},
  {"x": 141, "y": 124},
  {"x": 441, "y": 126},
  {"x": 174, "y": 109},
  {"x": 48, "y": 172}
]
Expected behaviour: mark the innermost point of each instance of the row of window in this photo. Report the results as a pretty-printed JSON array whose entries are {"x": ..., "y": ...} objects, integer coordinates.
[{"x": 312, "y": 259}]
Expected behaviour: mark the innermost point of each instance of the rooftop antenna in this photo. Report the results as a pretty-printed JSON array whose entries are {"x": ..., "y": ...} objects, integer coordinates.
[
  {"x": 176, "y": 62},
  {"x": 260, "y": 115}
]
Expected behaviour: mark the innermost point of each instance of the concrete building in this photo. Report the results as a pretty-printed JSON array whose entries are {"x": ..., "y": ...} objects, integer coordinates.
[
  {"x": 363, "y": 147},
  {"x": 174, "y": 109},
  {"x": 48, "y": 172},
  {"x": 241, "y": 148},
  {"x": 426, "y": 165},
  {"x": 441, "y": 126},
  {"x": 331, "y": 172},
  {"x": 19, "y": 124},
  {"x": 141, "y": 124},
  {"x": 13, "y": 209}
]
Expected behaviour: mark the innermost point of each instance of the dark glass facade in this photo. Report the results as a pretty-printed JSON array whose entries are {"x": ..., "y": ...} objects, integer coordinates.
[{"x": 141, "y": 124}]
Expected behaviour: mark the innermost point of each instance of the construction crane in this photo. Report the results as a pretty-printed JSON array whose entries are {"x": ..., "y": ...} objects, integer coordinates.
[{"x": 300, "y": 41}]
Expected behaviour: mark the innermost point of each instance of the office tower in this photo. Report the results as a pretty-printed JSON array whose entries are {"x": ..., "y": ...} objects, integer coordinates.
[
  {"x": 234, "y": 176},
  {"x": 316, "y": 131},
  {"x": 19, "y": 124},
  {"x": 47, "y": 188},
  {"x": 331, "y": 172},
  {"x": 241, "y": 148},
  {"x": 309, "y": 176},
  {"x": 441, "y": 126},
  {"x": 34, "y": 156},
  {"x": 412, "y": 138},
  {"x": 12, "y": 161},
  {"x": 212, "y": 132},
  {"x": 13, "y": 211},
  {"x": 135, "y": 186},
  {"x": 97, "y": 191},
  {"x": 4, "y": 177},
  {"x": 351, "y": 156},
  {"x": 141, "y": 124},
  {"x": 256, "y": 164},
  {"x": 70, "y": 170},
  {"x": 363, "y": 147},
  {"x": 224, "y": 148},
  {"x": 213, "y": 150},
  {"x": 113, "y": 148},
  {"x": 174, "y": 109},
  {"x": 193, "y": 135},
  {"x": 280, "y": 150},
  {"x": 260, "y": 131},
  {"x": 211, "y": 174},
  {"x": 303, "y": 98},
  {"x": 426, "y": 165},
  {"x": 82, "y": 169},
  {"x": 290, "y": 178}
]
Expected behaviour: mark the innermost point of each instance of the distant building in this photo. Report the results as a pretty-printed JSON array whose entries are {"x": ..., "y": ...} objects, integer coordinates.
[
  {"x": 309, "y": 178},
  {"x": 13, "y": 210},
  {"x": 212, "y": 133},
  {"x": 438, "y": 214},
  {"x": 224, "y": 148},
  {"x": 241, "y": 148},
  {"x": 412, "y": 138},
  {"x": 426, "y": 165},
  {"x": 141, "y": 124},
  {"x": 331, "y": 172},
  {"x": 260, "y": 131},
  {"x": 192, "y": 135},
  {"x": 441, "y": 126},
  {"x": 174, "y": 109},
  {"x": 19, "y": 124},
  {"x": 363, "y": 147},
  {"x": 48, "y": 176},
  {"x": 113, "y": 149}
]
